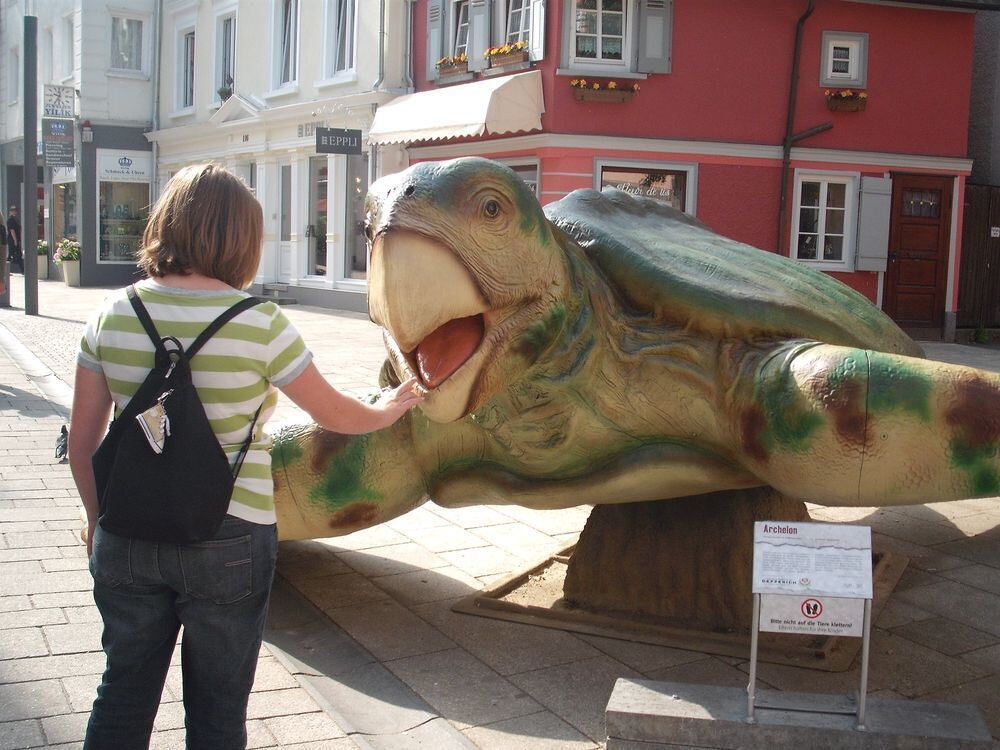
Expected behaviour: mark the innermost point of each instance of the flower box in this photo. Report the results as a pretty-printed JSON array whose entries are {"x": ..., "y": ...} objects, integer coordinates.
[
  {"x": 508, "y": 58},
  {"x": 837, "y": 102},
  {"x": 459, "y": 68},
  {"x": 603, "y": 95}
]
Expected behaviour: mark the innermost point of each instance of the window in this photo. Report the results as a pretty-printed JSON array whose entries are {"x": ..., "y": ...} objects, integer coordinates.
[
  {"x": 518, "y": 21},
  {"x": 316, "y": 232},
  {"x": 187, "y": 70},
  {"x": 288, "y": 42},
  {"x": 126, "y": 44},
  {"x": 845, "y": 59},
  {"x": 614, "y": 37},
  {"x": 340, "y": 30},
  {"x": 672, "y": 184},
  {"x": 69, "y": 47},
  {"x": 824, "y": 220},
  {"x": 14, "y": 76},
  {"x": 355, "y": 243},
  {"x": 461, "y": 27},
  {"x": 225, "y": 58},
  {"x": 599, "y": 30}
]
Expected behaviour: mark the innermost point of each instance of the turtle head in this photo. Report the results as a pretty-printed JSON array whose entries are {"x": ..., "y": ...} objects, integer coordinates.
[{"x": 465, "y": 271}]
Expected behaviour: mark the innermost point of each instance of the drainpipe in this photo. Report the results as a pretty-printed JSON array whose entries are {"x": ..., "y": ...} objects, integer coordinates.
[
  {"x": 408, "y": 48},
  {"x": 791, "y": 138},
  {"x": 155, "y": 179},
  {"x": 381, "y": 46}
]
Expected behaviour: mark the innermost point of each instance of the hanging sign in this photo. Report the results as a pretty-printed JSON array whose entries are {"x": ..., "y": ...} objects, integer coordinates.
[
  {"x": 57, "y": 142},
  {"x": 338, "y": 141},
  {"x": 114, "y": 165}
]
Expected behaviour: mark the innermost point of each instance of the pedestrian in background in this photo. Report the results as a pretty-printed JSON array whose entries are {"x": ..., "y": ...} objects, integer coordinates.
[
  {"x": 14, "y": 239},
  {"x": 3, "y": 254},
  {"x": 201, "y": 247}
]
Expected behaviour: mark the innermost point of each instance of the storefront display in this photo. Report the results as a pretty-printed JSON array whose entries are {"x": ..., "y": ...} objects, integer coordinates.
[
  {"x": 64, "y": 216},
  {"x": 355, "y": 245},
  {"x": 123, "y": 203}
]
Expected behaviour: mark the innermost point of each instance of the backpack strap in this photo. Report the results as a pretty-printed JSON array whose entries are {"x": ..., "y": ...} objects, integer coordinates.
[
  {"x": 143, "y": 315},
  {"x": 215, "y": 325}
]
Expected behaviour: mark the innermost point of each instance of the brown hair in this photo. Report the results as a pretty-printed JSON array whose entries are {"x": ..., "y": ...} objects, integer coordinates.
[{"x": 208, "y": 221}]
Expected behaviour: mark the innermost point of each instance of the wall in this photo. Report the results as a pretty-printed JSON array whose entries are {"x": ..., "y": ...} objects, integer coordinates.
[{"x": 984, "y": 120}]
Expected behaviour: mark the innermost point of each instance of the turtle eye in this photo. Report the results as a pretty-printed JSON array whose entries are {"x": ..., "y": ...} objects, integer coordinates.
[{"x": 491, "y": 208}]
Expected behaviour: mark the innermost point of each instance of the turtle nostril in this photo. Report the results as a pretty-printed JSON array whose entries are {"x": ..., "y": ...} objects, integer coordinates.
[{"x": 409, "y": 190}]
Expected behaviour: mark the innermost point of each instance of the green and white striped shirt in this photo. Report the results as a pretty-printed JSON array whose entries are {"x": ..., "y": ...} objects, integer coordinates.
[{"x": 234, "y": 373}]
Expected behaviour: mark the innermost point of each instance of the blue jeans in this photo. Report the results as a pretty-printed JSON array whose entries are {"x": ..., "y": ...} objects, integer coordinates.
[{"x": 218, "y": 590}]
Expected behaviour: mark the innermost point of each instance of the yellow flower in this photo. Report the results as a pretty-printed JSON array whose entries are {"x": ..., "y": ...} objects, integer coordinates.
[
  {"x": 635, "y": 86},
  {"x": 827, "y": 92},
  {"x": 847, "y": 93},
  {"x": 595, "y": 85},
  {"x": 863, "y": 95},
  {"x": 613, "y": 84},
  {"x": 583, "y": 83}
]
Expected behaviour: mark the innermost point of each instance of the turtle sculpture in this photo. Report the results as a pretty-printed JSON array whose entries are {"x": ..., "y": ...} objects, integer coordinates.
[{"x": 611, "y": 350}]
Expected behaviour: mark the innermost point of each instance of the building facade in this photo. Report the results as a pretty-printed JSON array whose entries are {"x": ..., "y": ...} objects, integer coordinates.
[
  {"x": 248, "y": 83},
  {"x": 103, "y": 60},
  {"x": 857, "y": 169}
]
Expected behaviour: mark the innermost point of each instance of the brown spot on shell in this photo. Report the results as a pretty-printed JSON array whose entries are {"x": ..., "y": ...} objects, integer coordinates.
[
  {"x": 752, "y": 424},
  {"x": 356, "y": 514},
  {"x": 326, "y": 445},
  {"x": 976, "y": 411},
  {"x": 845, "y": 401}
]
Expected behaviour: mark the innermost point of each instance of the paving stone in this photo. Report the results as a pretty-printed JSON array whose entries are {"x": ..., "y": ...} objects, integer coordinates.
[
  {"x": 15, "y": 735},
  {"x": 507, "y": 647},
  {"x": 389, "y": 630},
  {"x": 14, "y": 603},
  {"x": 41, "y": 539},
  {"x": 987, "y": 659},
  {"x": 416, "y": 520},
  {"x": 482, "y": 561},
  {"x": 551, "y": 522},
  {"x": 946, "y": 636},
  {"x": 978, "y": 549},
  {"x": 30, "y": 553},
  {"x": 270, "y": 703},
  {"x": 913, "y": 670},
  {"x": 18, "y": 643},
  {"x": 376, "y": 536},
  {"x": 592, "y": 681},
  {"x": 913, "y": 577},
  {"x": 53, "y": 566},
  {"x": 290, "y": 730},
  {"x": 711, "y": 670},
  {"x": 27, "y": 618},
  {"x": 331, "y": 592},
  {"x": 66, "y": 728},
  {"x": 445, "y": 538},
  {"x": 32, "y": 700},
  {"x": 47, "y": 583},
  {"x": 23, "y": 568},
  {"x": 470, "y": 517},
  {"x": 73, "y": 639},
  {"x": 642, "y": 657},
  {"x": 541, "y": 731},
  {"x": 396, "y": 558},
  {"x": 170, "y": 715},
  {"x": 81, "y": 691},
  {"x": 271, "y": 675},
  {"x": 420, "y": 586},
  {"x": 436, "y": 733},
  {"x": 46, "y": 667},
  {"x": 464, "y": 690},
  {"x": 933, "y": 560},
  {"x": 978, "y": 576},
  {"x": 956, "y": 601},
  {"x": 982, "y": 693},
  {"x": 897, "y": 612}
]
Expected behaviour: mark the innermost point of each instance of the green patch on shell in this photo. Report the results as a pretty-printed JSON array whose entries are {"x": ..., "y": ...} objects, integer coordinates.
[
  {"x": 979, "y": 464},
  {"x": 537, "y": 337},
  {"x": 894, "y": 387},
  {"x": 790, "y": 422},
  {"x": 285, "y": 449},
  {"x": 343, "y": 480}
]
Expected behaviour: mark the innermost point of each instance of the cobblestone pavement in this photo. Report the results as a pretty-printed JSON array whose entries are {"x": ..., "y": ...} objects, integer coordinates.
[{"x": 375, "y": 656}]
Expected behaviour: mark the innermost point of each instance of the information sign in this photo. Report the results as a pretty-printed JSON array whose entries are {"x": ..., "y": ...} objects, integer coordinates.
[
  {"x": 57, "y": 142},
  {"x": 819, "y": 615},
  {"x": 818, "y": 559},
  {"x": 338, "y": 141}
]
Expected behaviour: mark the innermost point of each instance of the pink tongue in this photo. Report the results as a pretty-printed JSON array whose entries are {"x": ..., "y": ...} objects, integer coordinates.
[{"x": 447, "y": 348}]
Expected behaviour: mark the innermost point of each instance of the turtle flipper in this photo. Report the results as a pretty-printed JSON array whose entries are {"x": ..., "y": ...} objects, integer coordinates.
[{"x": 843, "y": 426}]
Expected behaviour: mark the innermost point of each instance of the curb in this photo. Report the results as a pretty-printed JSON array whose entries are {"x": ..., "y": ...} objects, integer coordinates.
[{"x": 52, "y": 387}]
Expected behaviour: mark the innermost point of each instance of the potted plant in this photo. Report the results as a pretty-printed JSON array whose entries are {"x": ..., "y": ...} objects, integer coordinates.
[
  {"x": 452, "y": 65},
  {"x": 595, "y": 91},
  {"x": 846, "y": 100},
  {"x": 226, "y": 89},
  {"x": 507, "y": 54},
  {"x": 43, "y": 259},
  {"x": 67, "y": 257}
]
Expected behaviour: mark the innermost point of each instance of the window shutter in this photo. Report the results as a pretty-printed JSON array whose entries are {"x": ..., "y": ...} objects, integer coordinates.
[
  {"x": 873, "y": 224},
  {"x": 653, "y": 32},
  {"x": 536, "y": 46},
  {"x": 435, "y": 32},
  {"x": 479, "y": 33}
]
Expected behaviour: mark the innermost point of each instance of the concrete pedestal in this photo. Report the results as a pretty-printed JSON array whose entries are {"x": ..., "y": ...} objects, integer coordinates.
[{"x": 647, "y": 715}]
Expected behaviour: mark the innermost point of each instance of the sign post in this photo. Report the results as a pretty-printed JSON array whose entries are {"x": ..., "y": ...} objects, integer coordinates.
[{"x": 813, "y": 578}]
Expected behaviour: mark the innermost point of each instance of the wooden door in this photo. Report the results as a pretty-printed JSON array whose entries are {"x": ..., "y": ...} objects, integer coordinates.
[{"x": 919, "y": 232}]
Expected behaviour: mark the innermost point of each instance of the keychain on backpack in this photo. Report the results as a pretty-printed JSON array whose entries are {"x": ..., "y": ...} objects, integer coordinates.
[{"x": 155, "y": 423}]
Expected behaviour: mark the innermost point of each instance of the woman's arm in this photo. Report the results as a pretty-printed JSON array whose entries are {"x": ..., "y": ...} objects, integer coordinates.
[
  {"x": 337, "y": 412},
  {"x": 88, "y": 425}
]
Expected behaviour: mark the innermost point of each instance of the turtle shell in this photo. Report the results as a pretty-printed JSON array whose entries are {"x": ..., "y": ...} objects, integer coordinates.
[{"x": 664, "y": 263}]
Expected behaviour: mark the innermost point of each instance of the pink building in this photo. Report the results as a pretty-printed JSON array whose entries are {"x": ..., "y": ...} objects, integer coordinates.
[{"x": 857, "y": 169}]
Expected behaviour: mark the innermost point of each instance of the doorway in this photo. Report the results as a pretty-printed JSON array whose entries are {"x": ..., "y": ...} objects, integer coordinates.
[{"x": 919, "y": 239}]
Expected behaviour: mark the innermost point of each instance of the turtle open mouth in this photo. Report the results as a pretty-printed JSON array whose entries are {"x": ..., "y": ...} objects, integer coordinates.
[{"x": 446, "y": 349}]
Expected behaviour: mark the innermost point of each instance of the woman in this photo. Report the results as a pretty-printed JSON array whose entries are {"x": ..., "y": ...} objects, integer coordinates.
[
  {"x": 14, "y": 239},
  {"x": 201, "y": 247}
]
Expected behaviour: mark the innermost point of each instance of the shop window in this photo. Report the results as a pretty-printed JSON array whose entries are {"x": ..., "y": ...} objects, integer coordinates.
[
  {"x": 824, "y": 220},
  {"x": 123, "y": 208},
  {"x": 340, "y": 20},
  {"x": 355, "y": 242},
  {"x": 845, "y": 59},
  {"x": 186, "y": 88},
  {"x": 126, "y": 44},
  {"x": 667, "y": 184},
  {"x": 317, "y": 229},
  {"x": 287, "y": 45},
  {"x": 611, "y": 37},
  {"x": 225, "y": 57},
  {"x": 64, "y": 211}
]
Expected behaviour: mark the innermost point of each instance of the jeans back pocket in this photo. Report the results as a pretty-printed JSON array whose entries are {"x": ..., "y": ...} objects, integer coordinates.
[
  {"x": 111, "y": 558},
  {"x": 220, "y": 570}
]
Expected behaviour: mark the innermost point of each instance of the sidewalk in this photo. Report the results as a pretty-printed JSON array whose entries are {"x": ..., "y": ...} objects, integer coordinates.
[{"x": 373, "y": 656}]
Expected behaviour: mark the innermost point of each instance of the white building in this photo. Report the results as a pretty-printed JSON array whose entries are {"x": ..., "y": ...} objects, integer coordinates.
[
  {"x": 106, "y": 55},
  {"x": 247, "y": 83}
]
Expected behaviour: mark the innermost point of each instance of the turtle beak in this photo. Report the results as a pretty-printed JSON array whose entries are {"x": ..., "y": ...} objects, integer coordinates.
[{"x": 432, "y": 311}]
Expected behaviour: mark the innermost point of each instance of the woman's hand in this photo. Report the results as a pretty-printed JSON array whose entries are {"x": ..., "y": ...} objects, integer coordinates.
[{"x": 396, "y": 402}]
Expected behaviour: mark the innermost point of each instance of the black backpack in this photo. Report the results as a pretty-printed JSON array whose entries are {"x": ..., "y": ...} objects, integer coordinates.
[{"x": 177, "y": 490}]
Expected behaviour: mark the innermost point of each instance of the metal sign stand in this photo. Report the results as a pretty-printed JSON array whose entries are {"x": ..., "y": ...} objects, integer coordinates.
[{"x": 862, "y": 688}]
